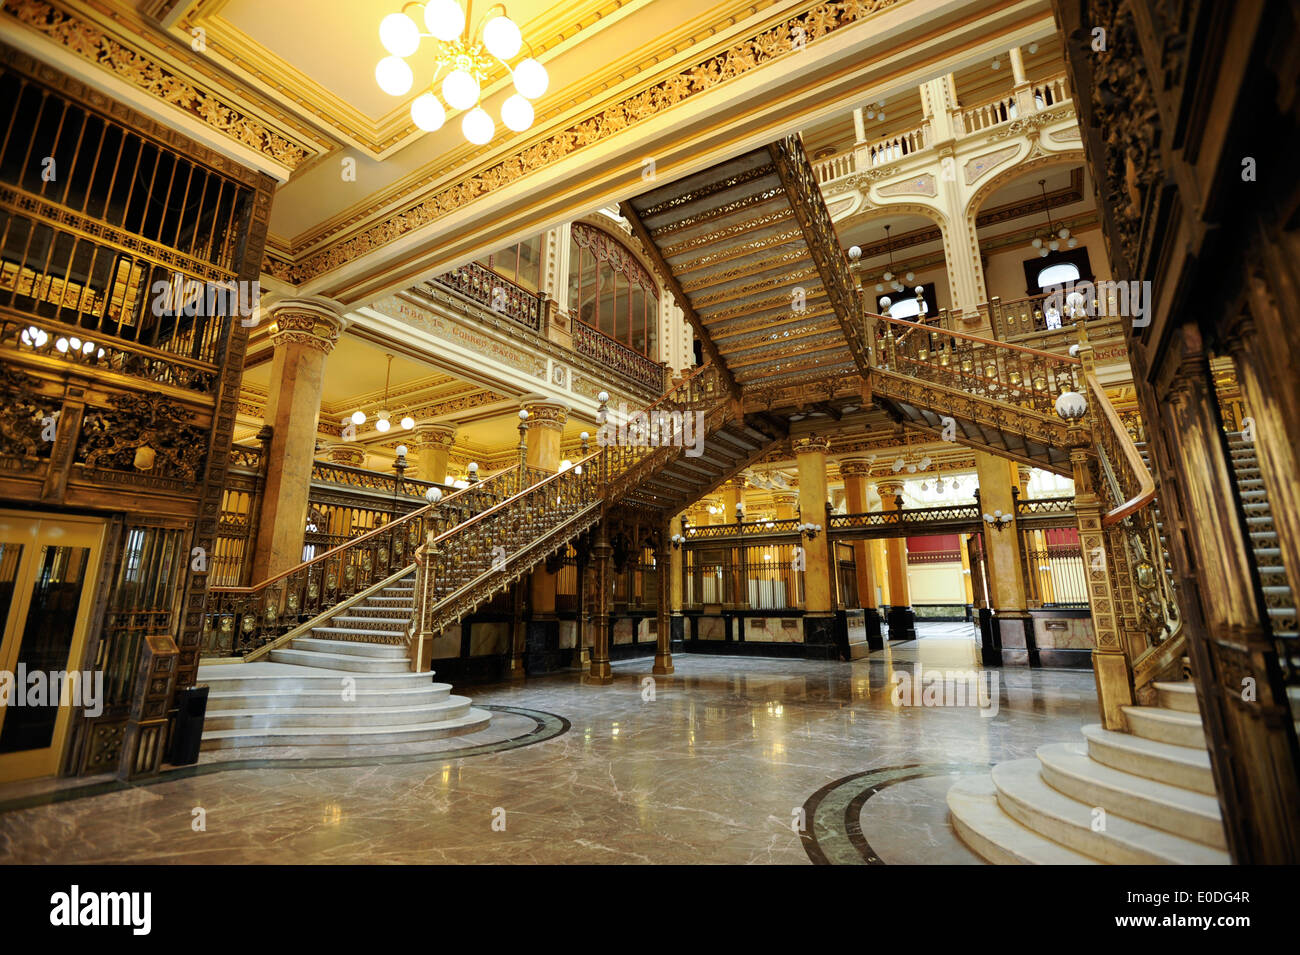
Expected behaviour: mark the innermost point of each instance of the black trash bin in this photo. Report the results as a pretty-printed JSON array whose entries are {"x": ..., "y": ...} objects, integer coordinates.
[{"x": 187, "y": 726}]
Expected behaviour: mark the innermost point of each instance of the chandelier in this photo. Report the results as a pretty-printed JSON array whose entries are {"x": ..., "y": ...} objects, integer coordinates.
[
  {"x": 889, "y": 275},
  {"x": 1052, "y": 241},
  {"x": 383, "y": 417},
  {"x": 464, "y": 59}
]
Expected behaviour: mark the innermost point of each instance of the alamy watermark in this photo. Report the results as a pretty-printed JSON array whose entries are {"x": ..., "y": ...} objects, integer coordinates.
[
  {"x": 84, "y": 688},
  {"x": 921, "y": 687},
  {"x": 182, "y": 295},
  {"x": 1099, "y": 299},
  {"x": 654, "y": 429}
]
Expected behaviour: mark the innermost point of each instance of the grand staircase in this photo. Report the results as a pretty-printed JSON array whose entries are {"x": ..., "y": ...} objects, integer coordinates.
[{"x": 1143, "y": 797}]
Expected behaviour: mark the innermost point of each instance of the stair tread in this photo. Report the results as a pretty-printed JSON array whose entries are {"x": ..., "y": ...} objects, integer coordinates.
[
  {"x": 973, "y": 802},
  {"x": 447, "y": 703},
  {"x": 332, "y": 690},
  {"x": 1068, "y": 758},
  {"x": 473, "y": 716},
  {"x": 1167, "y": 715},
  {"x": 271, "y": 670},
  {"x": 1021, "y": 781},
  {"x": 1140, "y": 745}
]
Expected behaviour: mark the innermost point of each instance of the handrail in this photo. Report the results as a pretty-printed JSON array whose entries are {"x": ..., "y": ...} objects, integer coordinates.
[
  {"x": 1068, "y": 359},
  {"x": 361, "y": 538},
  {"x": 1146, "y": 492}
]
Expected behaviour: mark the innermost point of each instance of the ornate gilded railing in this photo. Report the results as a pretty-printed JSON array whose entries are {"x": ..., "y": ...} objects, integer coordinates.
[
  {"x": 1028, "y": 378},
  {"x": 1053, "y": 511},
  {"x": 347, "y": 476},
  {"x": 1133, "y": 540},
  {"x": 596, "y": 345},
  {"x": 240, "y": 620},
  {"x": 806, "y": 201},
  {"x": 705, "y": 532},
  {"x": 464, "y": 565},
  {"x": 917, "y": 520},
  {"x": 502, "y": 296}
]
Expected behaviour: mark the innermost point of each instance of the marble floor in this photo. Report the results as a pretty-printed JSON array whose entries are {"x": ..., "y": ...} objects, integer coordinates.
[{"x": 723, "y": 761}]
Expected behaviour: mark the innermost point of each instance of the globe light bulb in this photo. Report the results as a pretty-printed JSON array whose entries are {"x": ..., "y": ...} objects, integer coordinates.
[
  {"x": 1054, "y": 245},
  {"x": 444, "y": 19},
  {"x": 888, "y": 276},
  {"x": 399, "y": 34},
  {"x": 408, "y": 423},
  {"x": 477, "y": 126},
  {"x": 910, "y": 276},
  {"x": 530, "y": 78},
  {"x": 382, "y": 425},
  {"x": 502, "y": 38},
  {"x": 427, "y": 113},
  {"x": 460, "y": 89},
  {"x": 879, "y": 288},
  {"x": 401, "y": 450},
  {"x": 358, "y": 417},
  {"x": 1064, "y": 233},
  {"x": 1037, "y": 243},
  {"x": 394, "y": 76},
  {"x": 1042, "y": 253},
  {"x": 517, "y": 113},
  {"x": 1073, "y": 242}
]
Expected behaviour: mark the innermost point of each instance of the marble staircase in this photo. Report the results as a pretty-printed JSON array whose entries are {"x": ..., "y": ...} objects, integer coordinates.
[
  {"x": 1143, "y": 797},
  {"x": 348, "y": 683}
]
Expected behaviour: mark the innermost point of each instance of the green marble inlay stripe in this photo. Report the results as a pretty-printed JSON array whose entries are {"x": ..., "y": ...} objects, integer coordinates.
[
  {"x": 548, "y": 726},
  {"x": 834, "y": 833}
]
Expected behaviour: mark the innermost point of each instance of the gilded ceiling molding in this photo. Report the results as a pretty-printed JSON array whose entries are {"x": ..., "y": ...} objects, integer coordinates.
[
  {"x": 92, "y": 44},
  {"x": 791, "y": 35}
]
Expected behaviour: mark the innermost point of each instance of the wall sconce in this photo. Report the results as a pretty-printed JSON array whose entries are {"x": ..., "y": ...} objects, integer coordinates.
[
  {"x": 997, "y": 520},
  {"x": 809, "y": 530},
  {"x": 677, "y": 540}
]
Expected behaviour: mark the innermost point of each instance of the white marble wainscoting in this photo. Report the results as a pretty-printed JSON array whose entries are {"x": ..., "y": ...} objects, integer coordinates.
[{"x": 714, "y": 769}]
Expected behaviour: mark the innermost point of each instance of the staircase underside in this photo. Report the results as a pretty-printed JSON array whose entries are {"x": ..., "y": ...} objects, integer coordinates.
[{"x": 732, "y": 240}]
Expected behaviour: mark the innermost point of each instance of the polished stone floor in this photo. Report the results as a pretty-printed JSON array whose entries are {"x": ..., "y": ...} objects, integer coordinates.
[{"x": 723, "y": 761}]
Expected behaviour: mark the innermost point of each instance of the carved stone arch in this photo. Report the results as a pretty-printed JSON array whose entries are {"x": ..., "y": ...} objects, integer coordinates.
[
  {"x": 1067, "y": 157},
  {"x": 875, "y": 211}
]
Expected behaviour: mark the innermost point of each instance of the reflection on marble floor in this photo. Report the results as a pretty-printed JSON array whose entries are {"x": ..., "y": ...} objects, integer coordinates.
[{"x": 714, "y": 769}]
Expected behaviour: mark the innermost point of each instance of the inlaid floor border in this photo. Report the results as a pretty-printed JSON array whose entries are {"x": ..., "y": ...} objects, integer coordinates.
[
  {"x": 832, "y": 828},
  {"x": 548, "y": 726}
]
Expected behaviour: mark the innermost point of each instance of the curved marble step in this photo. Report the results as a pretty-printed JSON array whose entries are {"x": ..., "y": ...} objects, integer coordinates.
[
  {"x": 996, "y": 837},
  {"x": 1179, "y": 696},
  {"x": 384, "y": 651},
  {"x": 1026, "y": 797},
  {"x": 269, "y": 677},
  {"x": 1163, "y": 762},
  {"x": 1067, "y": 768},
  {"x": 356, "y": 716},
  {"x": 1166, "y": 726},
  {"x": 285, "y": 699},
  {"x": 471, "y": 722},
  {"x": 340, "y": 661}
]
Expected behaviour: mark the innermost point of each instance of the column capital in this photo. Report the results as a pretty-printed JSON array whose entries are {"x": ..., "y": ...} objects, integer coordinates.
[
  {"x": 854, "y": 467},
  {"x": 434, "y": 435},
  {"x": 547, "y": 414},
  {"x": 811, "y": 443},
  {"x": 350, "y": 454},
  {"x": 892, "y": 488},
  {"x": 313, "y": 321}
]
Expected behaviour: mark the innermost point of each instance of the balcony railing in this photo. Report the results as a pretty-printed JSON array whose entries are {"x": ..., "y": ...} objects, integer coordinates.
[
  {"x": 596, "y": 345},
  {"x": 490, "y": 290},
  {"x": 967, "y": 121}
]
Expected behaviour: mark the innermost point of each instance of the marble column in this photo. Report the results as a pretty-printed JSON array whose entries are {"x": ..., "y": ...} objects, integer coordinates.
[
  {"x": 303, "y": 333},
  {"x": 997, "y": 479},
  {"x": 819, "y": 595},
  {"x": 855, "y": 472},
  {"x": 784, "y": 502},
  {"x": 900, "y": 615},
  {"x": 432, "y": 444}
]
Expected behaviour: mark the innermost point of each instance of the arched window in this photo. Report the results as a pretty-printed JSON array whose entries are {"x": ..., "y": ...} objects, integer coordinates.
[
  {"x": 610, "y": 291},
  {"x": 1058, "y": 274}
]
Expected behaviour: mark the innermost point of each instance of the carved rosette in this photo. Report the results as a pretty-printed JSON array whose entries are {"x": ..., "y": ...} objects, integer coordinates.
[{"x": 315, "y": 322}]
